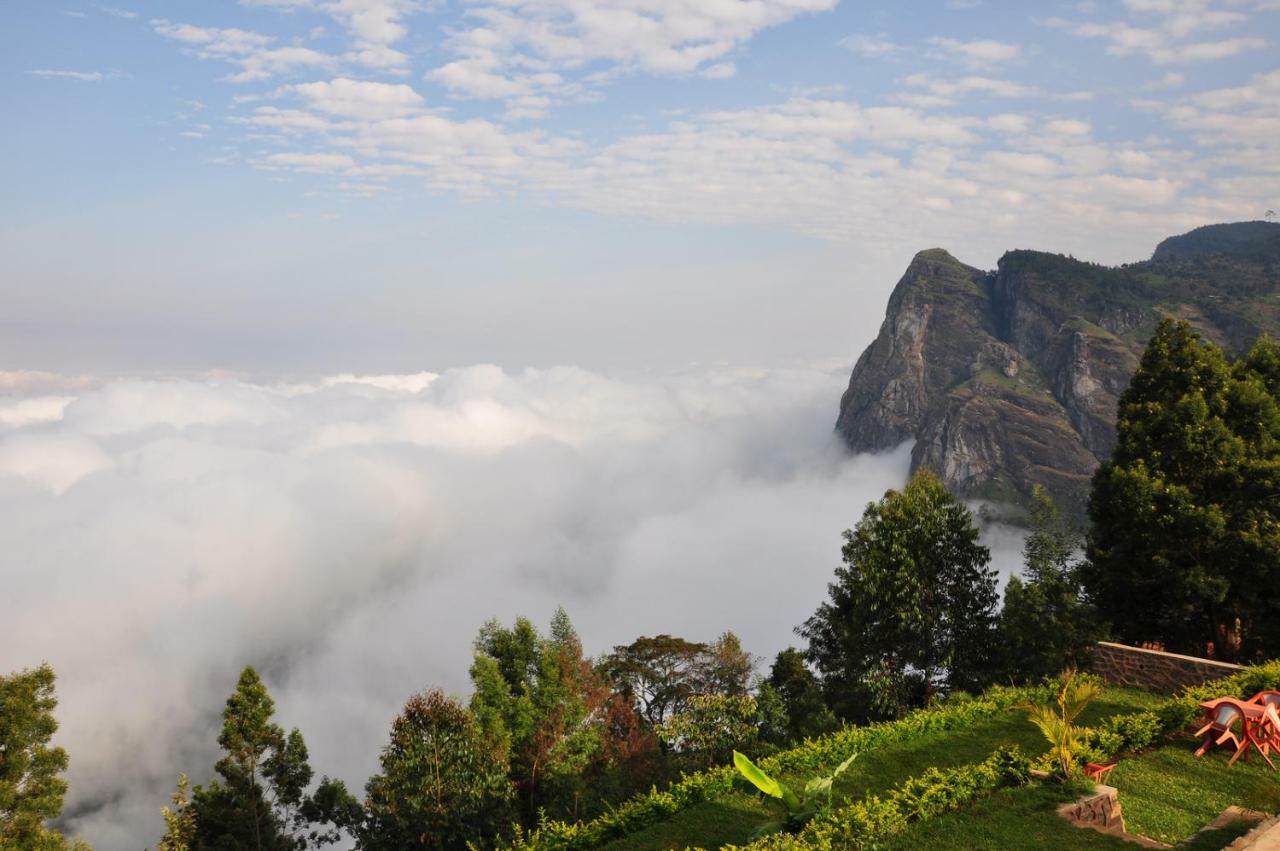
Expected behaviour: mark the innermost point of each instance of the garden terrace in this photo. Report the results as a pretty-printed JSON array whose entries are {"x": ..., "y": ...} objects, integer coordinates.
[{"x": 948, "y": 771}]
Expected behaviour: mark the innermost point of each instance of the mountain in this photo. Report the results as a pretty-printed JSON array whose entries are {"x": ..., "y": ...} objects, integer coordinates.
[{"x": 1008, "y": 379}]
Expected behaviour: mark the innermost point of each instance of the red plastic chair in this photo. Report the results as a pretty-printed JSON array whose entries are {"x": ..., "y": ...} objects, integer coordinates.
[
  {"x": 1221, "y": 717},
  {"x": 1267, "y": 698}
]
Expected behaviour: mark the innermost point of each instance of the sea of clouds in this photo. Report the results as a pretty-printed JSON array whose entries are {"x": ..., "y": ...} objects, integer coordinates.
[{"x": 348, "y": 535}]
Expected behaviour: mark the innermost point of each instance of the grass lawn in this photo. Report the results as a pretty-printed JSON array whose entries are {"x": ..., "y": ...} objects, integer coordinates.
[
  {"x": 1026, "y": 818},
  {"x": 734, "y": 818},
  {"x": 1168, "y": 793}
]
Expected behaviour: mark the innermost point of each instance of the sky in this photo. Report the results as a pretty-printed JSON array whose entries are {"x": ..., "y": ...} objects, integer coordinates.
[
  {"x": 332, "y": 328},
  {"x": 312, "y": 186}
]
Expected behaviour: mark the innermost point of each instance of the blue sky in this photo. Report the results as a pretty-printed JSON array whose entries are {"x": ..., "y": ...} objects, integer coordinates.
[{"x": 297, "y": 185}]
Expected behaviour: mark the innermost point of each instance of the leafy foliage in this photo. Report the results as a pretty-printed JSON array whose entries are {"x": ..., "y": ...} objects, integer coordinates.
[
  {"x": 179, "y": 819},
  {"x": 554, "y": 714},
  {"x": 812, "y": 802},
  {"x": 659, "y": 674},
  {"x": 443, "y": 781},
  {"x": 870, "y": 822},
  {"x": 1045, "y": 624},
  {"x": 1185, "y": 541},
  {"x": 807, "y": 712},
  {"x": 712, "y": 727},
  {"x": 31, "y": 790},
  {"x": 912, "y": 609},
  {"x": 261, "y": 801},
  {"x": 811, "y": 756},
  {"x": 1057, "y": 720}
]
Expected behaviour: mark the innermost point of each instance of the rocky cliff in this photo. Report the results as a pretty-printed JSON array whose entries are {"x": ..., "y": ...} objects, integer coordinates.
[{"x": 1008, "y": 379}]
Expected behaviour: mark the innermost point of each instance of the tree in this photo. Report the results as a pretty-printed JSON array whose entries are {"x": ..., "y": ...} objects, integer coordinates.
[
  {"x": 443, "y": 782},
  {"x": 659, "y": 673},
  {"x": 711, "y": 728},
  {"x": 261, "y": 801},
  {"x": 724, "y": 667},
  {"x": 31, "y": 791},
  {"x": 912, "y": 609},
  {"x": 801, "y": 694},
  {"x": 1184, "y": 545},
  {"x": 179, "y": 820},
  {"x": 1045, "y": 625},
  {"x": 552, "y": 710}
]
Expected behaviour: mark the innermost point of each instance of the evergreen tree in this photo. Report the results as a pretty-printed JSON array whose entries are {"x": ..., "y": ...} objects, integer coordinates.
[
  {"x": 548, "y": 707},
  {"x": 1045, "y": 625},
  {"x": 179, "y": 820},
  {"x": 1184, "y": 547},
  {"x": 801, "y": 694},
  {"x": 912, "y": 609},
  {"x": 443, "y": 782},
  {"x": 261, "y": 804},
  {"x": 31, "y": 790}
]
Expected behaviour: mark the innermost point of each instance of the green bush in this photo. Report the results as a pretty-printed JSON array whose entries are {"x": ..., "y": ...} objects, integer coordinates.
[
  {"x": 1140, "y": 730},
  {"x": 810, "y": 757},
  {"x": 871, "y": 821}
]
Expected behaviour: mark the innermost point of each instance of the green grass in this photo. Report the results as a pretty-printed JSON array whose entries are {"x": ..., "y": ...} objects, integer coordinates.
[
  {"x": 1027, "y": 818},
  {"x": 1010, "y": 819},
  {"x": 733, "y": 818},
  {"x": 1168, "y": 793}
]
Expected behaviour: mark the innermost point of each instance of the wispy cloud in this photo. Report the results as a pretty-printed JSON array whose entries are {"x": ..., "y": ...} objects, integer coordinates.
[
  {"x": 978, "y": 52},
  {"x": 60, "y": 74},
  {"x": 529, "y": 52},
  {"x": 1170, "y": 31},
  {"x": 254, "y": 53}
]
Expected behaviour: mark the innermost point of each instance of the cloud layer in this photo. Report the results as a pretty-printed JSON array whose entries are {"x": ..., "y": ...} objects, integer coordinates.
[{"x": 349, "y": 535}]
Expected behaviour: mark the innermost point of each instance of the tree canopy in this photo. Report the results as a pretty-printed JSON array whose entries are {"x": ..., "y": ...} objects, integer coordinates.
[
  {"x": 31, "y": 790},
  {"x": 443, "y": 782},
  {"x": 912, "y": 609},
  {"x": 1184, "y": 547}
]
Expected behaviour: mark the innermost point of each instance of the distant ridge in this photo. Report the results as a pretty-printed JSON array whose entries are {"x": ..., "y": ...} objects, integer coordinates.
[{"x": 1009, "y": 379}]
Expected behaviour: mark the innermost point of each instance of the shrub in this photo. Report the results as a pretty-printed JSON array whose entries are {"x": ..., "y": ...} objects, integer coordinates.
[
  {"x": 871, "y": 821},
  {"x": 810, "y": 757}
]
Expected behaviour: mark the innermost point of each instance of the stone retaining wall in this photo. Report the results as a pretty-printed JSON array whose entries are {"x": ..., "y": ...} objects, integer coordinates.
[
  {"x": 1155, "y": 670},
  {"x": 1100, "y": 810}
]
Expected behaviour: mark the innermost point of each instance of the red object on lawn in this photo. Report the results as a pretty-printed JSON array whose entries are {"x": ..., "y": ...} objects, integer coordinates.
[
  {"x": 1098, "y": 772},
  {"x": 1259, "y": 728},
  {"x": 1267, "y": 698}
]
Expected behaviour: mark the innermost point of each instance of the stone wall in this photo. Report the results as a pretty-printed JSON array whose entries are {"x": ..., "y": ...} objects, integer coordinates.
[
  {"x": 1154, "y": 670},
  {"x": 1099, "y": 810}
]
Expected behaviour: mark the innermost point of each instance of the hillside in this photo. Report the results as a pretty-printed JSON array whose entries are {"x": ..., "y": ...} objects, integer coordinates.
[{"x": 1009, "y": 379}]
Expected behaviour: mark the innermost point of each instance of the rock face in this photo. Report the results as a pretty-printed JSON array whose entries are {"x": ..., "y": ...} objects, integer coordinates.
[{"x": 1009, "y": 379}]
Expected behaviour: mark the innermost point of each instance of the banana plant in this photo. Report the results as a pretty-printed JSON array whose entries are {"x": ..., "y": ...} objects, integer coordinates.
[{"x": 814, "y": 800}]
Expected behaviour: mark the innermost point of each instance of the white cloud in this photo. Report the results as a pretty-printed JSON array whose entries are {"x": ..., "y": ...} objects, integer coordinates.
[
  {"x": 1165, "y": 30},
  {"x": 979, "y": 52},
  {"x": 363, "y": 100},
  {"x": 940, "y": 91},
  {"x": 1243, "y": 119},
  {"x": 872, "y": 46},
  {"x": 252, "y": 52},
  {"x": 79, "y": 76},
  {"x": 349, "y": 536},
  {"x": 310, "y": 163},
  {"x": 519, "y": 49},
  {"x": 117, "y": 12},
  {"x": 375, "y": 27}
]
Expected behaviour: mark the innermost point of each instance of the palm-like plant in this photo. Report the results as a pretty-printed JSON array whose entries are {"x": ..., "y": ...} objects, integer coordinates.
[
  {"x": 800, "y": 809},
  {"x": 1057, "y": 720}
]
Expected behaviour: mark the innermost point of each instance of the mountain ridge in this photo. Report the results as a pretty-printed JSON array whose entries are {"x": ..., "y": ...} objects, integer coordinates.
[{"x": 1008, "y": 379}]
